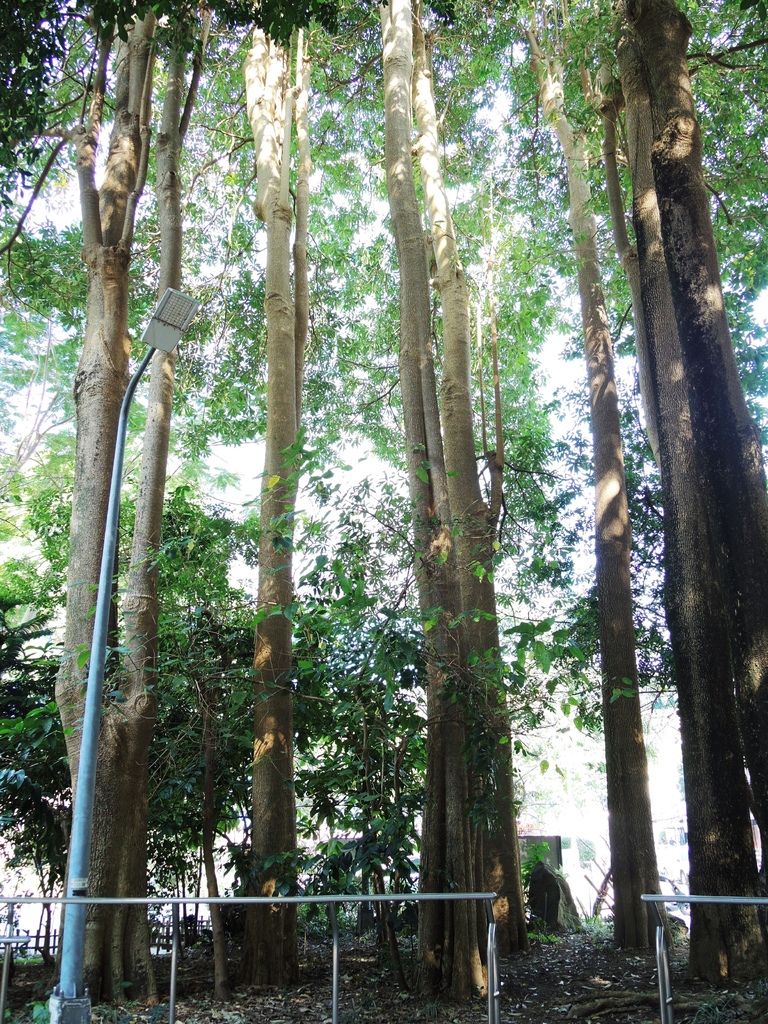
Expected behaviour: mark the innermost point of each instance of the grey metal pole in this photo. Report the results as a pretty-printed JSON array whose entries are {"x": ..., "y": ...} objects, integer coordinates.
[
  {"x": 492, "y": 959},
  {"x": 69, "y": 1002},
  {"x": 335, "y": 979},
  {"x": 175, "y": 942},
  {"x": 667, "y": 1012},
  {"x": 7, "y": 954}
]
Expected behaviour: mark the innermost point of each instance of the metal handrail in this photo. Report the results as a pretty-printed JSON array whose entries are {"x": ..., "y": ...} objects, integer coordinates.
[
  {"x": 494, "y": 994},
  {"x": 662, "y": 950}
]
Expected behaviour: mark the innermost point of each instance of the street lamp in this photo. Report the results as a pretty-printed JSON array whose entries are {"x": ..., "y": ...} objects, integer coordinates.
[{"x": 70, "y": 1002}]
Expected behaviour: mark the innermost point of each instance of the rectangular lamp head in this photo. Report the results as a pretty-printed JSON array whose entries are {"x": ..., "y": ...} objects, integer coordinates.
[{"x": 174, "y": 313}]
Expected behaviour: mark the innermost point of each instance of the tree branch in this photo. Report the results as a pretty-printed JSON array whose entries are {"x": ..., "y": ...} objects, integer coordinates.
[
  {"x": 717, "y": 58},
  {"x": 197, "y": 70},
  {"x": 5, "y": 247},
  {"x": 145, "y": 134},
  {"x": 720, "y": 202},
  {"x": 99, "y": 87}
]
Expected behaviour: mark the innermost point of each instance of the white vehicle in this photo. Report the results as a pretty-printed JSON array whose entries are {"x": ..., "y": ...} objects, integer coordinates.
[{"x": 672, "y": 853}]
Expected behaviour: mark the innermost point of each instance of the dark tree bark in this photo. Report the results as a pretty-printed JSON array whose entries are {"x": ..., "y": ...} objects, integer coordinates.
[
  {"x": 630, "y": 825},
  {"x": 727, "y": 441},
  {"x": 724, "y": 942}
]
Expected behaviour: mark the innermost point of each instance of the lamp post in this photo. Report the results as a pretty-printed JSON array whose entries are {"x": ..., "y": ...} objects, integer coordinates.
[{"x": 70, "y": 1002}]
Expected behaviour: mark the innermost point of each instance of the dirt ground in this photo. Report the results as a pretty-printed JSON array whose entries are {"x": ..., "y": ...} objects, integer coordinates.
[{"x": 576, "y": 977}]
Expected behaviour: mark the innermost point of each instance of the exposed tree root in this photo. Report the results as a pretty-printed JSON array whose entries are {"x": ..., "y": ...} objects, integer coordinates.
[{"x": 589, "y": 1006}]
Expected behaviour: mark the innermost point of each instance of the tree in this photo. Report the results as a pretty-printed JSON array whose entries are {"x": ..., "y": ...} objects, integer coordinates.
[
  {"x": 729, "y": 456},
  {"x": 360, "y": 722},
  {"x": 37, "y": 46},
  {"x": 108, "y": 226},
  {"x": 270, "y": 953},
  {"x": 725, "y": 941},
  {"x": 35, "y": 809},
  {"x": 633, "y": 858},
  {"x": 117, "y": 941},
  {"x": 448, "y": 948},
  {"x": 474, "y": 521},
  {"x": 33, "y": 39},
  {"x": 199, "y": 778},
  {"x": 139, "y": 680}
]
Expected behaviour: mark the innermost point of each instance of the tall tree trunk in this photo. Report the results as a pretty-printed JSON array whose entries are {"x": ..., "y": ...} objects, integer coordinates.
[
  {"x": 627, "y": 253},
  {"x": 630, "y": 825},
  {"x": 300, "y": 262},
  {"x": 270, "y": 949},
  {"x": 725, "y": 942},
  {"x": 209, "y": 699},
  {"x": 140, "y": 604},
  {"x": 448, "y": 948},
  {"x": 728, "y": 446},
  {"x": 117, "y": 943},
  {"x": 474, "y": 522}
]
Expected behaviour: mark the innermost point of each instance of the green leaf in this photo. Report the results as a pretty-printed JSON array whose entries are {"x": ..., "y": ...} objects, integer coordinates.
[{"x": 542, "y": 655}]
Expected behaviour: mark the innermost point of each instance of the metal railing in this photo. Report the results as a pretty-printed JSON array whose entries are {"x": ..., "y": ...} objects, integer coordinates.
[
  {"x": 494, "y": 1013},
  {"x": 662, "y": 951}
]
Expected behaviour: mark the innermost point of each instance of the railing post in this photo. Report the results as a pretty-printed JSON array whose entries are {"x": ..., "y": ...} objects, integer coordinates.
[
  {"x": 7, "y": 942},
  {"x": 7, "y": 954},
  {"x": 174, "y": 961},
  {"x": 662, "y": 968},
  {"x": 335, "y": 988},
  {"x": 6, "y": 975},
  {"x": 492, "y": 957}
]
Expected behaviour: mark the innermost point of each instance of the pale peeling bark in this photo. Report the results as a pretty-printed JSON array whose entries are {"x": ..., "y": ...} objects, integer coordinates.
[
  {"x": 725, "y": 942},
  {"x": 117, "y": 942},
  {"x": 633, "y": 857},
  {"x": 169, "y": 199},
  {"x": 627, "y": 253},
  {"x": 270, "y": 951},
  {"x": 729, "y": 452},
  {"x": 448, "y": 949},
  {"x": 140, "y": 605},
  {"x": 300, "y": 263},
  {"x": 474, "y": 523}
]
